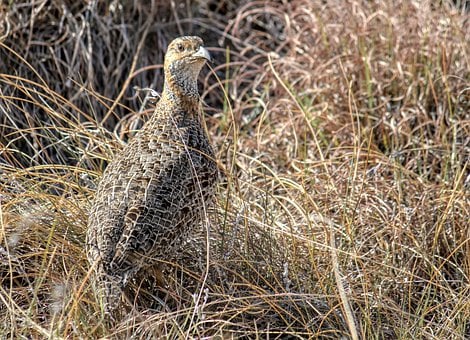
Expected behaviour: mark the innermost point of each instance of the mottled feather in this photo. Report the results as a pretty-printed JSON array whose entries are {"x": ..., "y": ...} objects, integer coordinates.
[{"x": 154, "y": 192}]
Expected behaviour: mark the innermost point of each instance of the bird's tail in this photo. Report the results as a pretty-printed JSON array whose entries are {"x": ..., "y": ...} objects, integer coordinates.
[{"x": 108, "y": 291}]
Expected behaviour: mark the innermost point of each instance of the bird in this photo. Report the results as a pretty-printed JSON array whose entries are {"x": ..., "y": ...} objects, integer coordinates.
[{"x": 156, "y": 190}]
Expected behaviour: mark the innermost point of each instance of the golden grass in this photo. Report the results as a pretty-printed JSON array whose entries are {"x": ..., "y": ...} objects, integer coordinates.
[{"x": 343, "y": 134}]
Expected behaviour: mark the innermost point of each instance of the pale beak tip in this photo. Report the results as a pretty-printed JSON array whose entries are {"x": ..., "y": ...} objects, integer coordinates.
[{"x": 203, "y": 53}]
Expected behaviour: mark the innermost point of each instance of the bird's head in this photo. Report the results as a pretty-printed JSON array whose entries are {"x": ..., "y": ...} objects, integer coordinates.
[{"x": 184, "y": 60}]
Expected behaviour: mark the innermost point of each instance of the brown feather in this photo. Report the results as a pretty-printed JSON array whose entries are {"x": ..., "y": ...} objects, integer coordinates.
[{"x": 154, "y": 192}]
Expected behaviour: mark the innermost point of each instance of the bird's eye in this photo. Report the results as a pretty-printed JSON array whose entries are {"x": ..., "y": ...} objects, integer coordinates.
[{"x": 180, "y": 47}]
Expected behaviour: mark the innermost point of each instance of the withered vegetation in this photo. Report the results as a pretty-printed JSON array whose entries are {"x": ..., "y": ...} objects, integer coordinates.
[{"x": 343, "y": 135}]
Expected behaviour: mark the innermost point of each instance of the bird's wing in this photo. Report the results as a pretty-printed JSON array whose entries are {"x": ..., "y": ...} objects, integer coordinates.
[{"x": 152, "y": 216}]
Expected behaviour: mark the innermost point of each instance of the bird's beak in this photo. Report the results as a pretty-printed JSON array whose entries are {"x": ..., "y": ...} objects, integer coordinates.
[{"x": 203, "y": 53}]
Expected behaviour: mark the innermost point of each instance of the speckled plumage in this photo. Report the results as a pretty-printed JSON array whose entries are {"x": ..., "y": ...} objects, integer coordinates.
[{"x": 157, "y": 188}]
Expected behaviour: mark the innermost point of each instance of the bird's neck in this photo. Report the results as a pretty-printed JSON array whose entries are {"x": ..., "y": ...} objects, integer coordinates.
[{"x": 180, "y": 101}]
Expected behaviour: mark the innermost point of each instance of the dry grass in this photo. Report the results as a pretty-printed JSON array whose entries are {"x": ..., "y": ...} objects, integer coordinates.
[{"x": 343, "y": 134}]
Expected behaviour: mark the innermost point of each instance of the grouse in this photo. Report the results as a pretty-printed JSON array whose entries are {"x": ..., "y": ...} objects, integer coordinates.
[{"x": 156, "y": 190}]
